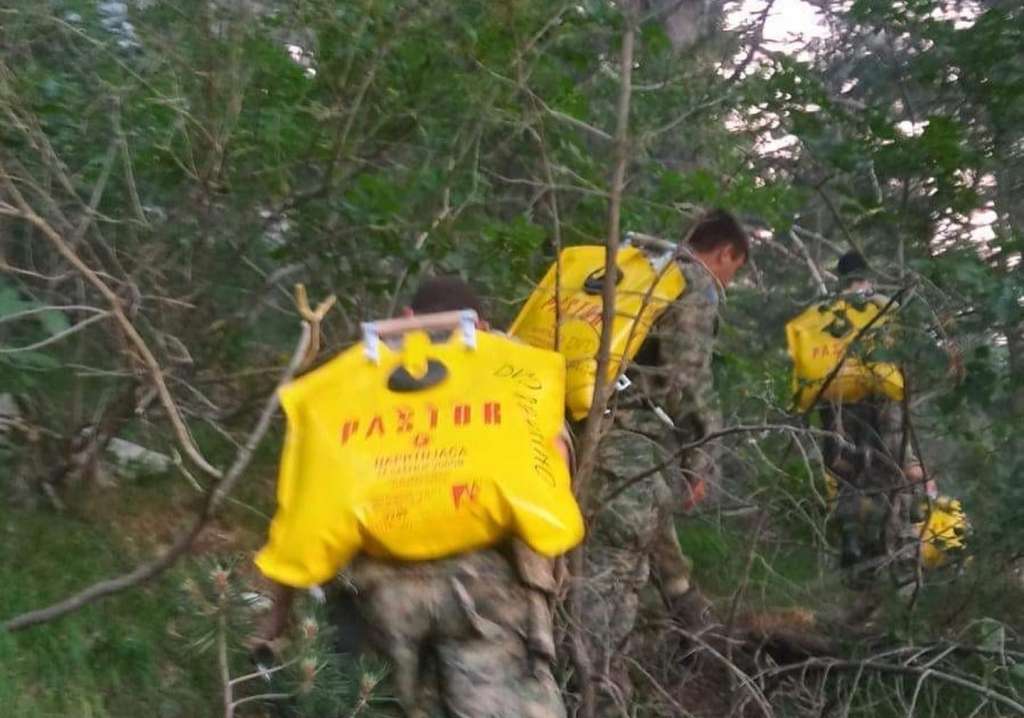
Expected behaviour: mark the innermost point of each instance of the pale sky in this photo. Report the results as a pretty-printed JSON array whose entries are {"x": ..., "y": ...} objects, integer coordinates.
[{"x": 790, "y": 24}]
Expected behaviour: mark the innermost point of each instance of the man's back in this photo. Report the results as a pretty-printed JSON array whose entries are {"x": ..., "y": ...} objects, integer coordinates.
[
  {"x": 672, "y": 371},
  {"x": 471, "y": 632},
  {"x": 642, "y": 479}
]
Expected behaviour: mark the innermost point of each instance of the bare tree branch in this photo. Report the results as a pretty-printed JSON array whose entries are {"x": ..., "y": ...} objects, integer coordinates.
[
  {"x": 819, "y": 280},
  {"x": 73, "y": 329},
  {"x": 592, "y": 428},
  {"x": 216, "y": 495},
  {"x": 25, "y": 211}
]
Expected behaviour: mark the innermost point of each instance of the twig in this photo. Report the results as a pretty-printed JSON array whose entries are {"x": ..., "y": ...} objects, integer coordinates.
[
  {"x": 97, "y": 194},
  {"x": 680, "y": 711},
  {"x": 365, "y": 694},
  {"x": 260, "y": 697},
  {"x": 341, "y": 137},
  {"x": 741, "y": 589},
  {"x": 222, "y": 665},
  {"x": 556, "y": 222},
  {"x": 575, "y": 122},
  {"x": 742, "y": 429},
  {"x": 263, "y": 672},
  {"x": 312, "y": 318},
  {"x": 755, "y": 45},
  {"x": 820, "y": 238},
  {"x": 820, "y": 189},
  {"x": 828, "y": 664},
  {"x": 811, "y": 266},
  {"x": 54, "y": 308},
  {"x": 550, "y": 111},
  {"x": 73, "y": 329},
  {"x": 126, "y": 157},
  {"x": 421, "y": 239},
  {"x": 588, "y": 441}
]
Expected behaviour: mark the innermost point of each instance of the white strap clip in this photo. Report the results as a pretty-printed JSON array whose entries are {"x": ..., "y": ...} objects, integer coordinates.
[
  {"x": 623, "y": 383},
  {"x": 371, "y": 341},
  {"x": 467, "y": 323}
]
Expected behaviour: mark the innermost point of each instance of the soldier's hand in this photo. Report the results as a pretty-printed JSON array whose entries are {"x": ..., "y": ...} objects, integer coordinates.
[
  {"x": 261, "y": 652},
  {"x": 264, "y": 653},
  {"x": 694, "y": 492}
]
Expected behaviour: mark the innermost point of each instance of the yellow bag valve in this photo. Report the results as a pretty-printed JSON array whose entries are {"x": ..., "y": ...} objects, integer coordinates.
[
  {"x": 421, "y": 452},
  {"x": 645, "y": 286},
  {"x": 819, "y": 338}
]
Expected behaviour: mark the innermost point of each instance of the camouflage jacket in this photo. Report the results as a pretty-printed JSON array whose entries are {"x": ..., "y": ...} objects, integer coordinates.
[
  {"x": 672, "y": 370},
  {"x": 872, "y": 429}
]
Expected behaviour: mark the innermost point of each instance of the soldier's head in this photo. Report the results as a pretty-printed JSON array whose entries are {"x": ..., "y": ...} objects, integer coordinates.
[
  {"x": 721, "y": 243},
  {"x": 852, "y": 270},
  {"x": 445, "y": 294}
]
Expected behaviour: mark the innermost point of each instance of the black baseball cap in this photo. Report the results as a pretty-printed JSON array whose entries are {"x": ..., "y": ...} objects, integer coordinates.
[{"x": 852, "y": 265}]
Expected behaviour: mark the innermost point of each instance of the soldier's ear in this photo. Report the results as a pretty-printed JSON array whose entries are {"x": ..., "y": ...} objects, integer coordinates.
[{"x": 483, "y": 325}]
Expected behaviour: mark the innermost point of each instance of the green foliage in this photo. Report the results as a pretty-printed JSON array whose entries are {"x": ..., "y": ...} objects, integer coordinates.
[
  {"x": 769, "y": 574},
  {"x": 217, "y": 611}
]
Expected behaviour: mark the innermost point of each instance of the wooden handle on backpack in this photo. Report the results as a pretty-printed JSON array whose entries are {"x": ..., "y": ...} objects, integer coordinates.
[{"x": 424, "y": 322}]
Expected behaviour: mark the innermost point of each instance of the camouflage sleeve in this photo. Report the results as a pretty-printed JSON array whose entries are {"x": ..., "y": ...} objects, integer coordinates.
[
  {"x": 893, "y": 432},
  {"x": 687, "y": 332}
]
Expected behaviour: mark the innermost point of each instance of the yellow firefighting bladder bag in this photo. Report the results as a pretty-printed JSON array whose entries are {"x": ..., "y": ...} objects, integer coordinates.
[
  {"x": 425, "y": 452},
  {"x": 644, "y": 289},
  {"x": 818, "y": 340},
  {"x": 943, "y": 533}
]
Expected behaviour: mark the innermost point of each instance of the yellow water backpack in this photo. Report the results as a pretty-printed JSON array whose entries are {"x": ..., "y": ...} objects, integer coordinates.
[
  {"x": 943, "y": 532},
  {"x": 421, "y": 452},
  {"x": 820, "y": 338},
  {"x": 569, "y": 318}
]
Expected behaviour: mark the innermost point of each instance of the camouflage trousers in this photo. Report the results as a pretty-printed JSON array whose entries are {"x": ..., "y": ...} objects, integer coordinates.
[
  {"x": 875, "y": 502},
  {"x": 467, "y": 636},
  {"x": 632, "y": 539},
  {"x": 877, "y": 532}
]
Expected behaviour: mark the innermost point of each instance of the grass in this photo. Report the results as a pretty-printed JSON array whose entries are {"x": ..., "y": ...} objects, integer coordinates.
[
  {"x": 120, "y": 657},
  {"x": 134, "y": 654},
  {"x": 114, "y": 658},
  {"x": 777, "y": 574}
]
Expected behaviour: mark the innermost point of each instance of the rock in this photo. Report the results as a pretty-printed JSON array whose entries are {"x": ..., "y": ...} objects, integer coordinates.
[{"x": 132, "y": 459}]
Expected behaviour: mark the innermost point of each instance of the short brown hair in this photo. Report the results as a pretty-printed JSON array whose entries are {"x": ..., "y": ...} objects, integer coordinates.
[
  {"x": 717, "y": 228},
  {"x": 445, "y": 294}
]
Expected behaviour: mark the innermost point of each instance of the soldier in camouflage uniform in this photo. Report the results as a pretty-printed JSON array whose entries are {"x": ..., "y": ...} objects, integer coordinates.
[
  {"x": 632, "y": 535},
  {"x": 468, "y": 636},
  {"x": 879, "y": 479}
]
